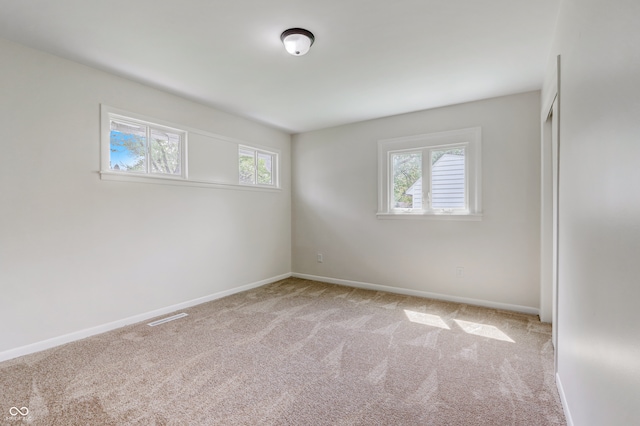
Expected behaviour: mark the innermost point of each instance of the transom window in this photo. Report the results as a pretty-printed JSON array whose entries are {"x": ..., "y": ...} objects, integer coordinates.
[
  {"x": 257, "y": 167},
  {"x": 137, "y": 146},
  {"x": 430, "y": 175}
]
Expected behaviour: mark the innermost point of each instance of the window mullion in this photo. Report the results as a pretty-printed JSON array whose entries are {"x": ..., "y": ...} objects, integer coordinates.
[
  {"x": 255, "y": 166},
  {"x": 426, "y": 177},
  {"x": 467, "y": 156},
  {"x": 148, "y": 149},
  {"x": 390, "y": 182}
]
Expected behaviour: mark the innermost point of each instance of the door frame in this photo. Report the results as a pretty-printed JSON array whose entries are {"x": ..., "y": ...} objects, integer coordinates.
[{"x": 550, "y": 207}]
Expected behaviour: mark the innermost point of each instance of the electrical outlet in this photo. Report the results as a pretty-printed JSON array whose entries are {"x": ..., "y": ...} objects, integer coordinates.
[
  {"x": 459, "y": 271},
  {"x": 320, "y": 258}
]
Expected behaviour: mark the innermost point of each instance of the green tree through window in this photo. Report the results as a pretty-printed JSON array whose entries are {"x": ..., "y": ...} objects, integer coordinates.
[
  {"x": 407, "y": 169},
  {"x": 135, "y": 147},
  {"x": 255, "y": 166}
]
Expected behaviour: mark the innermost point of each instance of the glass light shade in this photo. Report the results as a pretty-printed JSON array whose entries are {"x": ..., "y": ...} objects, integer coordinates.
[{"x": 297, "y": 41}]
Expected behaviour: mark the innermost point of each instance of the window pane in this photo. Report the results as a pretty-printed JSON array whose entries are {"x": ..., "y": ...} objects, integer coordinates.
[
  {"x": 265, "y": 167},
  {"x": 407, "y": 180},
  {"x": 164, "y": 152},
  {"x": 247, "y": 166},
  {"x": 127, "y": 147},
  {"x": 448, "y": 179}
]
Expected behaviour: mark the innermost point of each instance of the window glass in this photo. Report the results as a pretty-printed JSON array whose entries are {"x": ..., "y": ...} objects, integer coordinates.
[
  {"x": 127, "y": 144},
  {"x": 247, "y": 166},
  {"x": 448, "y": 179},
  {"x": 407, "y": 182},
  {"x": 144, "y": 148},
  {"x": 265, "y": 164},
  {"x": 164, "y": 151}
]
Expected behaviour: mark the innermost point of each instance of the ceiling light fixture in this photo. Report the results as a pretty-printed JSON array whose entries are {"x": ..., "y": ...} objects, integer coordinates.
[{"x": 297, "y": 41}]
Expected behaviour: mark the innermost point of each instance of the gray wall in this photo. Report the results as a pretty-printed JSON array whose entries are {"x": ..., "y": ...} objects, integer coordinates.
[
  {"x": 598, "y": 337},
  {"x": 78, "y": 252},
  {"x": 335, "y": 200}
]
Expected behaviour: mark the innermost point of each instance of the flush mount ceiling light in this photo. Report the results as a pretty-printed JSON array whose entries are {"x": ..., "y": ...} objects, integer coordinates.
[{"x": 297, "y": 41}]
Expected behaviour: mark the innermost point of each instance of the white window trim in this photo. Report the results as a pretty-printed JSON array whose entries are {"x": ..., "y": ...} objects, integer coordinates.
[
  {"x": 470, "y": 138},
  {"x": 108, "y": 113},
  {"x": 110, "y": 175},
  {"x": 275, "y": 168}
]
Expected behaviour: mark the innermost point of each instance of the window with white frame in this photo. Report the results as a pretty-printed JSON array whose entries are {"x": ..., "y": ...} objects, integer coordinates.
[
  {"x": 257, "y": 167},
  {"x": 433, "y": 176},
  {"x": 137, "y": 146}
]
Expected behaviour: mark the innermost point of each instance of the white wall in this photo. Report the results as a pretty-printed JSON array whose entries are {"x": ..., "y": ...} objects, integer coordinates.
[
  {"x": 335, "y": 199},
  {"x": 78, "y": 252},
  {"x": 599, "y": 288}
]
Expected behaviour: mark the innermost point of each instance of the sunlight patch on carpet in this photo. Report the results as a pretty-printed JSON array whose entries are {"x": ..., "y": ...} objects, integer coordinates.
[
  {"x": 483, "y": 330},
  {"x": 426, "y": 319}
]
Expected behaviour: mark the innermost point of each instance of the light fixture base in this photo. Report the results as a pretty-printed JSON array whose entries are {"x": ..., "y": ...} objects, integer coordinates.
[{"x": 297, "y": 41}]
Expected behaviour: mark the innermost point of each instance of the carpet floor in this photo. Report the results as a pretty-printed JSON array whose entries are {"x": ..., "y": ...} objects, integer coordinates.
[{"x": 297, "y": 352}]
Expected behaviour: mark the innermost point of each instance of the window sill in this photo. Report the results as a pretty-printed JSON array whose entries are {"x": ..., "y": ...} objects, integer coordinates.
[
  {"x": 161, "y": 180},
  {"x": 430, "y": 216}
]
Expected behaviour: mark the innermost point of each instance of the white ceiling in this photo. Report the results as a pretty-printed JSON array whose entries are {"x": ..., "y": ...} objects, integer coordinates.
[{"x": 371, "y": 58}]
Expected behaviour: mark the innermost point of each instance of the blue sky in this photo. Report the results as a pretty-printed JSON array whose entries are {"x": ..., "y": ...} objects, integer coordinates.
[{"x": 120, "y": 154}]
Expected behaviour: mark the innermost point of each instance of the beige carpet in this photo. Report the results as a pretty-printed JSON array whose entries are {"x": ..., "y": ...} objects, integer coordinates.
[{"x": 297, "y": 352}]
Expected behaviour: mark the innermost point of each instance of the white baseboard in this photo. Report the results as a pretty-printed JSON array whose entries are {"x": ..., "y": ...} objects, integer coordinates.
[
  {"x": 77, "y": 335},
  {"x": 408, "y": 292},
  {"x": 563, "y": 399}
]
